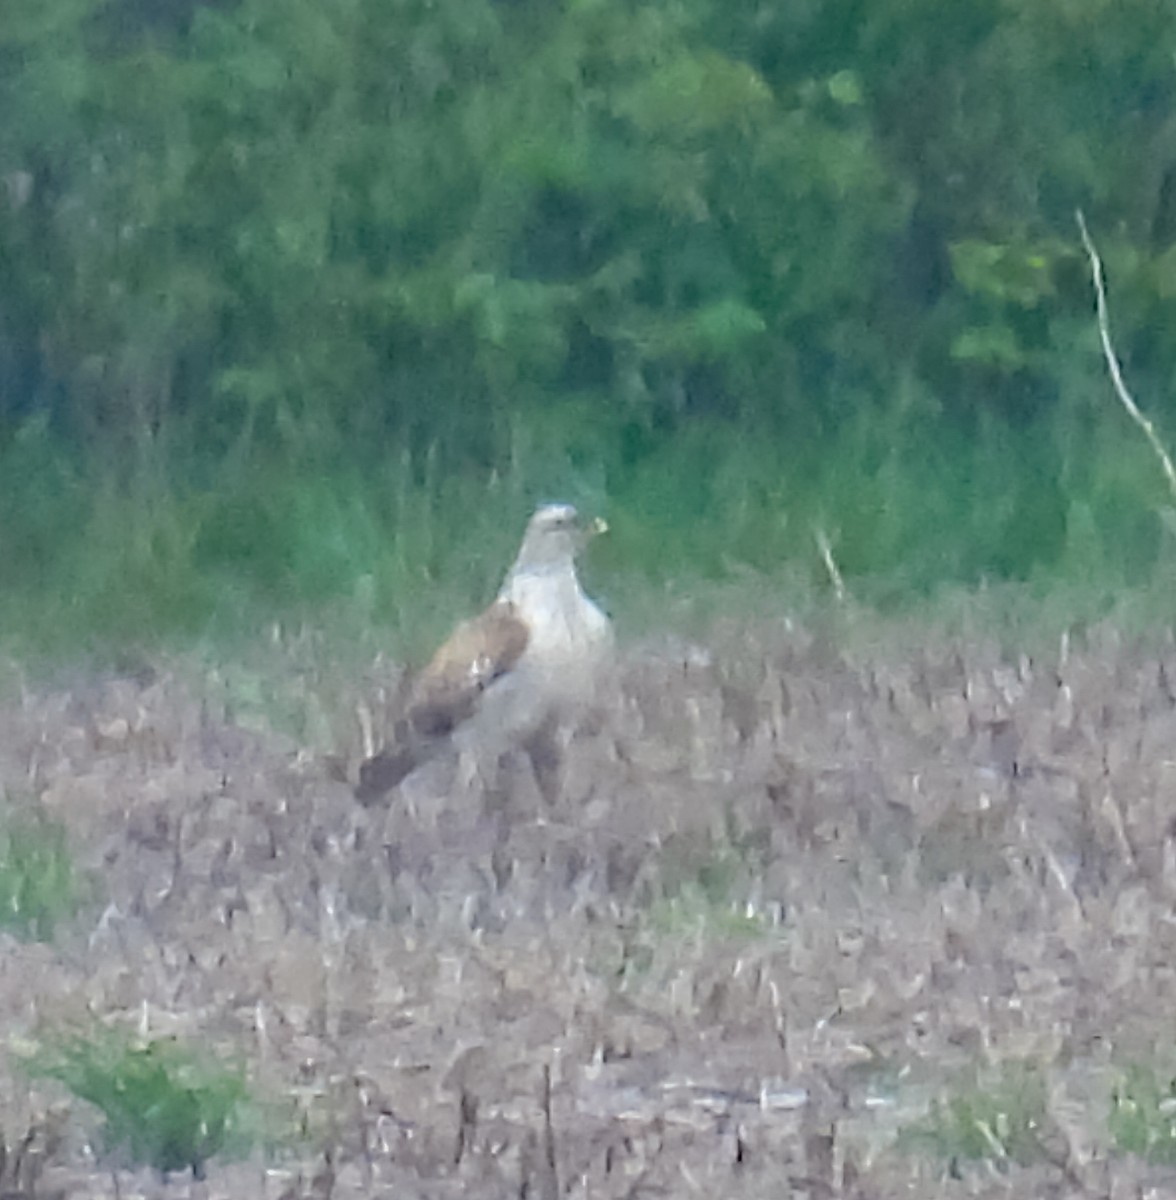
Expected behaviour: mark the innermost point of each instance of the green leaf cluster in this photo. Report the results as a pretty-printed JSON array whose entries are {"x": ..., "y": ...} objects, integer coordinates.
[
  {"x": 264, "y": 227},
  {"x": 162, "y": 1108}
]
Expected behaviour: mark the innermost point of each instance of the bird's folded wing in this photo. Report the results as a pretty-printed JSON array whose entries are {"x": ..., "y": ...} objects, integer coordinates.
[
  {"x": 445, "y": 694},
  {"x": 478, "y": 652}
]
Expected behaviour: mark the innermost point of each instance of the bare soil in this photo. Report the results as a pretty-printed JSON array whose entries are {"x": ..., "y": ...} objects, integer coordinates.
[{"x": 791, "y": 889}]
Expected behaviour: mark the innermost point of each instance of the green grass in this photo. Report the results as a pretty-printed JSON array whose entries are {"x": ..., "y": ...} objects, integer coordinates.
[
  {"x": 163, "y": 1105},
  {"x": 1000, "y": 1117},
  {"x": 1143, "y": 1115},
  {"x": 713, "y": 515},
  {"x": 701, "y": 900},
  {"x": 705, "y": 893},
  {"x": 695, "y": 911},
  {"x": 38, "y": 885}
]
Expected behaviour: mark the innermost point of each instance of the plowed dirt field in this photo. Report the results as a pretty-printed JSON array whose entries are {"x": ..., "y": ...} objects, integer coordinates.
[{"x": 790, "y": 893}]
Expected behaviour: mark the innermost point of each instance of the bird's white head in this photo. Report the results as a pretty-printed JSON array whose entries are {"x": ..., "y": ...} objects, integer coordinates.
[{"x": 556, "y": 533}]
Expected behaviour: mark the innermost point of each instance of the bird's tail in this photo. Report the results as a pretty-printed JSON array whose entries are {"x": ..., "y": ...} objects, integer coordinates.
[
  {"x": 383, "y": 771},
  {"x": 379, "y": 774}
]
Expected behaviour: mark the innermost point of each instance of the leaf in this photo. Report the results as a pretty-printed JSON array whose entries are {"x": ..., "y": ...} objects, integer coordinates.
[
  {"x": 722, "y": 328},
  {"x": 1017, "y": 273},
  {"x": 713, "y": 332},
  {"x": 845, "y": 87},
  {"x": 693, "y": 95},
  {"x": 993, "y": 345}
]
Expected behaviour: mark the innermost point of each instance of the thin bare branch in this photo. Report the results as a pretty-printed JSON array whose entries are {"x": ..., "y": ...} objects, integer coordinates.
[{"x": 1133, "y": 411}]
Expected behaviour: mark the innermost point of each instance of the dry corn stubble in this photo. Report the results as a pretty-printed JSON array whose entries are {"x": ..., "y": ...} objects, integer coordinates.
[{"x": 789, "y": 894}]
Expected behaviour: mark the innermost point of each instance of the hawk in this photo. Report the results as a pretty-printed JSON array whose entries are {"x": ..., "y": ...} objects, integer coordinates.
[{"x": 525, "y": 665}]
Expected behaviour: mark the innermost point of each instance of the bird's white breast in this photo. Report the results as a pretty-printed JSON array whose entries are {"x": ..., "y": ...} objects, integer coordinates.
[{"x": 565, "y": 626}]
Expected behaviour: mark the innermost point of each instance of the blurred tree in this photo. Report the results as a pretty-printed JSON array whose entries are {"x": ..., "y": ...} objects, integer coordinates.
[{"x": 237, "y": 226}]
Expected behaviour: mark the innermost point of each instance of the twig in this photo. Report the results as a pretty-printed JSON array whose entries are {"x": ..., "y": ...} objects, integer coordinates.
[
  {"x": 830, "y": 565},
  {"x": 549, "y": 1187},
  {"x": 1149, "y": 430},
  {"x": 366, "y": 729}
]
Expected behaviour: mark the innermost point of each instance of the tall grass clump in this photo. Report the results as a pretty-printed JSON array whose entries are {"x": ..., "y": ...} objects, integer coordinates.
[
  {"x": 39, "y": 887},
  {"x": 1143, "y": 1115},
  {"x": 163, "y": 1105},
  {"x": 1000, "y": 1118}
]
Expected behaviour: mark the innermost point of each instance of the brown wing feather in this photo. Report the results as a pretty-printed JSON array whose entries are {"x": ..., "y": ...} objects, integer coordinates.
[
  {"x": 446, "y": 693},
  {"x": 477, "y": 653}
]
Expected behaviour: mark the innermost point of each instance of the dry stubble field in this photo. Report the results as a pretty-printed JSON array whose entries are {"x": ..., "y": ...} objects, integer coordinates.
[{"x": 795, "y": 888}]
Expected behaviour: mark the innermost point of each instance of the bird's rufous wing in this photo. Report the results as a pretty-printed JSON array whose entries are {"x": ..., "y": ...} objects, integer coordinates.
[
  {"x": 446, "y": 693},
  {"x": 477, "y": 653}
]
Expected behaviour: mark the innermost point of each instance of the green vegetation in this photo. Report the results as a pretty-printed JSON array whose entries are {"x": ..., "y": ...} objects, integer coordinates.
[
  {"x": 700, "y": 901},
  {"x": 1143, "y": 1115},
  {"x": 696, "y": 912},
  {"x": 706, "y": 890},
  {"x": 163, "y": 1106},
  {"x": 308, "y": 310},
  {"x": 999, "y": 1119},
  {"x": 38, "y": 887}
]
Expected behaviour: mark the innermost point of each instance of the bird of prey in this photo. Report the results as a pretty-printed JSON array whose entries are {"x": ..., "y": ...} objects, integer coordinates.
[{"x": 530, "y": 661}]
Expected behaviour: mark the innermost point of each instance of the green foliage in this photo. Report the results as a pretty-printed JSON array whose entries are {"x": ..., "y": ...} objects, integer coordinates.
[
  {"x": 38, "y": 887},
  {"x": 397, "y": 551},
  {"x": 999, "y": 1120},
  {"x": 163, "y": 1106},
  {"x": 1143, "y": 1115},
  {"x": 353, "y": 222},
  {"x": 706, "y": 888},
  {"x": 281, "y": 289},
  {"x": 700, "y": 910}
]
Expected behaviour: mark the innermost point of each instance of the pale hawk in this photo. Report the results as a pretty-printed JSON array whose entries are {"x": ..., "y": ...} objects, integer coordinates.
[{"x": 535, "y": 657}]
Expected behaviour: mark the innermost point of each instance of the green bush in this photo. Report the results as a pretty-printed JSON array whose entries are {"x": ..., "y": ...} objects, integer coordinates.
[{"x": 163, "y": 1106}]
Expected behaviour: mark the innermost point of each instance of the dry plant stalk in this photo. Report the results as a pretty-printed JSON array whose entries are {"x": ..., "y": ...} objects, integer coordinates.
[
  {"x": 1133, "y": 411},
  {"x": 830, "y": 562},
  {"x": 367, "y": 733}
]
